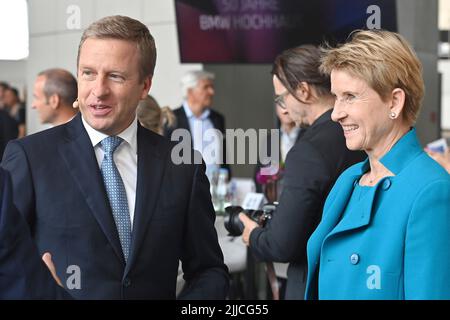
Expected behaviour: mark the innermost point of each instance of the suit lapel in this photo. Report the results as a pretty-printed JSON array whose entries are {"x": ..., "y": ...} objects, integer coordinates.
[
  {"x": 182, "y": 119},
  {"x": 215, "y": 120},
  {"x": 78, "y": 154},
  {"x": 151, "y": 165},
  {"x": 183, "y": 122}
]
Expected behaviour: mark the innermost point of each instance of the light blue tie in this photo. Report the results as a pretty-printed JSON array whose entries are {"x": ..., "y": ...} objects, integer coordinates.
[{"x": 116, "y": 193}]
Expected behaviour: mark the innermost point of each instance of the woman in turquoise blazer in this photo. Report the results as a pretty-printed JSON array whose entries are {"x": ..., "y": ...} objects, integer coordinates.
[{"x": 385, "y": 230}]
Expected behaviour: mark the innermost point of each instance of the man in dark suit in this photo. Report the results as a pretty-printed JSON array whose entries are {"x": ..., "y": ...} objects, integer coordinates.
[
  {"x": 102, "y": 194},
  {"x": 197, "y": 117},
  {"x": 22, "y": 273},
  {"x": 312, "y": 165}
]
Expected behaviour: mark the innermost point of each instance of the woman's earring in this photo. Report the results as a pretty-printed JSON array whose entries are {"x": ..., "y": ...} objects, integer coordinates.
[
  {"x": 392, "y": 115},
  {"x": 76, "y": 104}
]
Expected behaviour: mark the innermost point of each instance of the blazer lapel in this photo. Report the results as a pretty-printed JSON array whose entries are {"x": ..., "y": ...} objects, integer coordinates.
[
  {"x": 78, "y": 154},
  {"x": 358, "y": 220},
  {"x": 330, "y": 218},
  {"x": 334, "y": 212},
  {"x": 150, "y": 171},
  {"x": 397, "y": 158}
]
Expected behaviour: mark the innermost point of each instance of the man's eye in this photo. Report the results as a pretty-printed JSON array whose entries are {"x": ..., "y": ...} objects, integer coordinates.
[
  {"x": 116, "y": 77},
  {"x": 87, "y": 74}
]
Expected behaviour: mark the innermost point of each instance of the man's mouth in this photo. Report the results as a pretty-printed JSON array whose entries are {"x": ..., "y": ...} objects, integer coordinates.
[{"x": 100, "y": 109}]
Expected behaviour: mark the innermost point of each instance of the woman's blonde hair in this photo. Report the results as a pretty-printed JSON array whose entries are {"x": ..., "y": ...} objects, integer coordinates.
[
  {"x": 385, "y": 61},
  {"x": 152, "y": 116}
]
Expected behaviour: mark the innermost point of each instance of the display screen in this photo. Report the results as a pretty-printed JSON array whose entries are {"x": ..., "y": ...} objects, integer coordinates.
[{"x": 255, "y": 31}]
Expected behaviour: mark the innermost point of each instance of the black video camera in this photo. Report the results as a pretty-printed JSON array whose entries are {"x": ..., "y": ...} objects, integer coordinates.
[{"x": 235, "y": 227}]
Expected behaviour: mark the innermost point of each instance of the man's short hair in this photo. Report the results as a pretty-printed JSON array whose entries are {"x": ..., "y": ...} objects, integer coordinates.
[
  {"x": 127, "y": 29},
  {"x": 14, "y": 91},
  {"x": 4, "y": 85},
  {"x": 191, "y": 79},
  {"x": 60, "y": 82}
]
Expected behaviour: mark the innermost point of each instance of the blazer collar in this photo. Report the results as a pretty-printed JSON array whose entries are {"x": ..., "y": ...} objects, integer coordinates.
[{"x": 402, "y": 153}]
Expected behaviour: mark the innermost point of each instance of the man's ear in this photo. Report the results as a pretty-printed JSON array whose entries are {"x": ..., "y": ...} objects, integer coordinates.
[
  {"x": 303, "y": 91},
  {"x": 147, "y": 86},
  {"x": 54, "y": 101},
  {"x": 397, "y": 101}
]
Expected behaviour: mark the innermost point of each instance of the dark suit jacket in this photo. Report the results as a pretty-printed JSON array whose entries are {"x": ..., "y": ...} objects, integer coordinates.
[
  {"x": 58, "y": 188},
  {"x": 182, "y": 122},
  {"x": 8, "y": 130},
  {"x": 23, "y": 275},
  {"x": 312, "y": 166}
]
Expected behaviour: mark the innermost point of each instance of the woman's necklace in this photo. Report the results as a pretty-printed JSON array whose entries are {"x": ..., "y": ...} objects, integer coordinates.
[{"x": 370, "y": 180}]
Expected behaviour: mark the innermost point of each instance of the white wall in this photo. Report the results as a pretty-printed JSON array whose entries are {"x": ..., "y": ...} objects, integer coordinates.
[
  {"x": 14, "y": 72},
  {"x": 444, "y": 68},
  {"x": 417, "y": 21},
  {"x": 444, "y": 14},
  {"x": 53, "y": 44}
]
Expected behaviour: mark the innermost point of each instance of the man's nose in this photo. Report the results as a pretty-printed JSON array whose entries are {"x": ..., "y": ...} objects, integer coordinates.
[
  {"x": 284, "y": 111},
  {"x": 101, "y": 88}
]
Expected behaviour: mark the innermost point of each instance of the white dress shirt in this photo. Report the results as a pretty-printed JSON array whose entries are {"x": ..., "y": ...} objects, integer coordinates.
[
  {"x": 198, "y": 128},
  {"x": 125, "y": 158},
  {"x": 288, "y": 140}
]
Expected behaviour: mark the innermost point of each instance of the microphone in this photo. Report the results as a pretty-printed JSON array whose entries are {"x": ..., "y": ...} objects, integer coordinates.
[{"x": 76, "y": 104}]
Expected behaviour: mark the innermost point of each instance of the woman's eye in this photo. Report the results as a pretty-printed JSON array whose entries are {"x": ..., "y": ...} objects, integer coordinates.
[{"x": 349, "y": 98}]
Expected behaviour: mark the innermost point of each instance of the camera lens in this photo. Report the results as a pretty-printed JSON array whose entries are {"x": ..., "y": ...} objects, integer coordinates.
[{"x": 231, "y": 221}]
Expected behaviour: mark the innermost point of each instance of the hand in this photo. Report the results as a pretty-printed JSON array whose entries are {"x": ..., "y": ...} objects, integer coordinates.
[
  {"x": 249, "y": 225},
  {"x": 47, "y": 258},
  {"x": 442, "y": 158}
]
